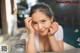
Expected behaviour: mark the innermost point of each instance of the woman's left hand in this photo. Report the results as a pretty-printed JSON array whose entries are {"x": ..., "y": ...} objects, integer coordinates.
[{"x": 53, "y": 29}]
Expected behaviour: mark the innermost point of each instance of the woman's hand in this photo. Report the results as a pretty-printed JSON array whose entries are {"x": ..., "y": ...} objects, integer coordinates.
[
  {"x": 53, "y": 28},
  {"x": 28, "y": 25}
]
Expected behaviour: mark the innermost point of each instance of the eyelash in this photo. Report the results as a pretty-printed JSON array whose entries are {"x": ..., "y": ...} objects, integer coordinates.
[
  {"x": 43, "y": 20},
  {"x": 36, "y": 23}
]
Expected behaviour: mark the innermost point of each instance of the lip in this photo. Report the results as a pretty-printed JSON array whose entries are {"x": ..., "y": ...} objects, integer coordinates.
[{"x": 42, "y": 31}]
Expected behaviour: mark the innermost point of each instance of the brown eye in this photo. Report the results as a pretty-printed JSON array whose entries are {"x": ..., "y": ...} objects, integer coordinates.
[
  {"x": 34, "y": 22},
  {"x": 43, "y": 20}
]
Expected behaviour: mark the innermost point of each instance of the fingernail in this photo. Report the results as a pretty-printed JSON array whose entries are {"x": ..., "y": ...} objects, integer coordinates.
[{"x": 29, "y": 20}]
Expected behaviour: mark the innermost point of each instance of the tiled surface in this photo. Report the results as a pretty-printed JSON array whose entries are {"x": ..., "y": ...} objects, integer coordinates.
[
  {"x": 67, "y": 51},
  {"x": 10, "y": 42},
  {"x": 13, "y": 40},
  {"x": 66, "y": 46}
]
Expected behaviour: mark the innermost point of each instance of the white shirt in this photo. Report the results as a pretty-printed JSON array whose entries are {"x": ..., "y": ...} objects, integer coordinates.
[{"x": 58, "y": 36}]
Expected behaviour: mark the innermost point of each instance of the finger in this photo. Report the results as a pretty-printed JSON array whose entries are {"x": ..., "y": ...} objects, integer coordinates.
[
  {"x": 50, "y": 31},
  {"x": 54, "y": 25},
  {"x": 27, "y": 20},
  {"x": 30, "y": 22}
]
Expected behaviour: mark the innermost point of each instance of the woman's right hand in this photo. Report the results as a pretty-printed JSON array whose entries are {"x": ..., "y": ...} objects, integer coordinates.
[{"x": 28, "y": 25}]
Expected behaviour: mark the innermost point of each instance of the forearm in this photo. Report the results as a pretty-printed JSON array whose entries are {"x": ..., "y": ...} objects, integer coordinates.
[
  {"x": 54, "y": 44},
  {"x": 31, "y": 44}
]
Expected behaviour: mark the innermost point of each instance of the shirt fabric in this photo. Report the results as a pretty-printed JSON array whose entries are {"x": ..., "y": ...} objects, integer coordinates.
[{"x": 58, "y": 36}]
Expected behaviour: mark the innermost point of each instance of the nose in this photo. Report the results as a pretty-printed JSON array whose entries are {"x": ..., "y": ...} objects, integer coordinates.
[{"x": 40, "y": 26}]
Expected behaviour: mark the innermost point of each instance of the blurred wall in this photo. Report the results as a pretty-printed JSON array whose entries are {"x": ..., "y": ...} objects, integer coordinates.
[{"x": 8, "y": 16}]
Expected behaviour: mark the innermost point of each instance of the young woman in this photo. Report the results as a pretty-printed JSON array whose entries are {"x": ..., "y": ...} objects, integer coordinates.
[{"x": 44, "y": 34}]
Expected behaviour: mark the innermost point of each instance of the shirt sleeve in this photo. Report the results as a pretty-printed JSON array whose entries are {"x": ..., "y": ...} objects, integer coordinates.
[{"x": 59, "y": 34}]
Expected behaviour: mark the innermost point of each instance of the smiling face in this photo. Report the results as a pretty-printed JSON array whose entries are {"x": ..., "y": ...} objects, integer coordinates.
[{"x": 41, "y": 23}]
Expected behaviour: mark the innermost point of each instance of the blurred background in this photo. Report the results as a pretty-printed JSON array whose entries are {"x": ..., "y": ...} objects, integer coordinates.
[{"x": 67, "y": 14}]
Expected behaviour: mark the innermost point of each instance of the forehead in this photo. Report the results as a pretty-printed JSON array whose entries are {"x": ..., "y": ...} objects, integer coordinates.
[{"x": 39, "y": 16}]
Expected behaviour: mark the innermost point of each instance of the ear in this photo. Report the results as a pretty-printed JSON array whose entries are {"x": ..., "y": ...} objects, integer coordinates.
[{"x": 52, "y": 18}]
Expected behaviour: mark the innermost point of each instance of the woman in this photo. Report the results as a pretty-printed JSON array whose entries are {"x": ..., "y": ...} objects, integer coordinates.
[{"x": 44, "y": 34}]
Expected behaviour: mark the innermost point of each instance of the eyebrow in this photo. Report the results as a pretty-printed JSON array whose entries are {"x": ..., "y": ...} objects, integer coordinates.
[
  {"x": 43, "y": 18},
  {"x": 40, "y": 20}
]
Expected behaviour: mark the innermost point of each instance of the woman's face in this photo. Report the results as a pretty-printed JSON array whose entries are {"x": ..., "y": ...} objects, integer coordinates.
[{"x": 41, "y": 23}]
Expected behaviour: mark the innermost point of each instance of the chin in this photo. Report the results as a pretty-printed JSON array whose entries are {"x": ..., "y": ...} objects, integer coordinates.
[{"x": 43, "y": 34}]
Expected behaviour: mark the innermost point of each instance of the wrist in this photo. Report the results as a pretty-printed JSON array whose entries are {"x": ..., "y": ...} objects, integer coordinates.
[
  {"x": 31, "y": 34},
  {"x": 50, "y": 36}
]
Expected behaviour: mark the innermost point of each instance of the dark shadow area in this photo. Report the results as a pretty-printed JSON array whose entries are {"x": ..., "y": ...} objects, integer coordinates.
[
  {"x": 0, "y": 16},
  {"x": 68, "y": 16},
  {"x": 22, "y": 6}
]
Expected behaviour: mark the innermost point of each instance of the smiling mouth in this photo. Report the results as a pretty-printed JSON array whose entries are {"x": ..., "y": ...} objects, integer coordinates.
[{"x": 41, "y": 31}]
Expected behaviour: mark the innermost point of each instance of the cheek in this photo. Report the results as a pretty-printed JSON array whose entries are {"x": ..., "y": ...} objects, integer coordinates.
[
  {"x": 47, "y": 25},
  {"x": 35, "y": 27}
]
